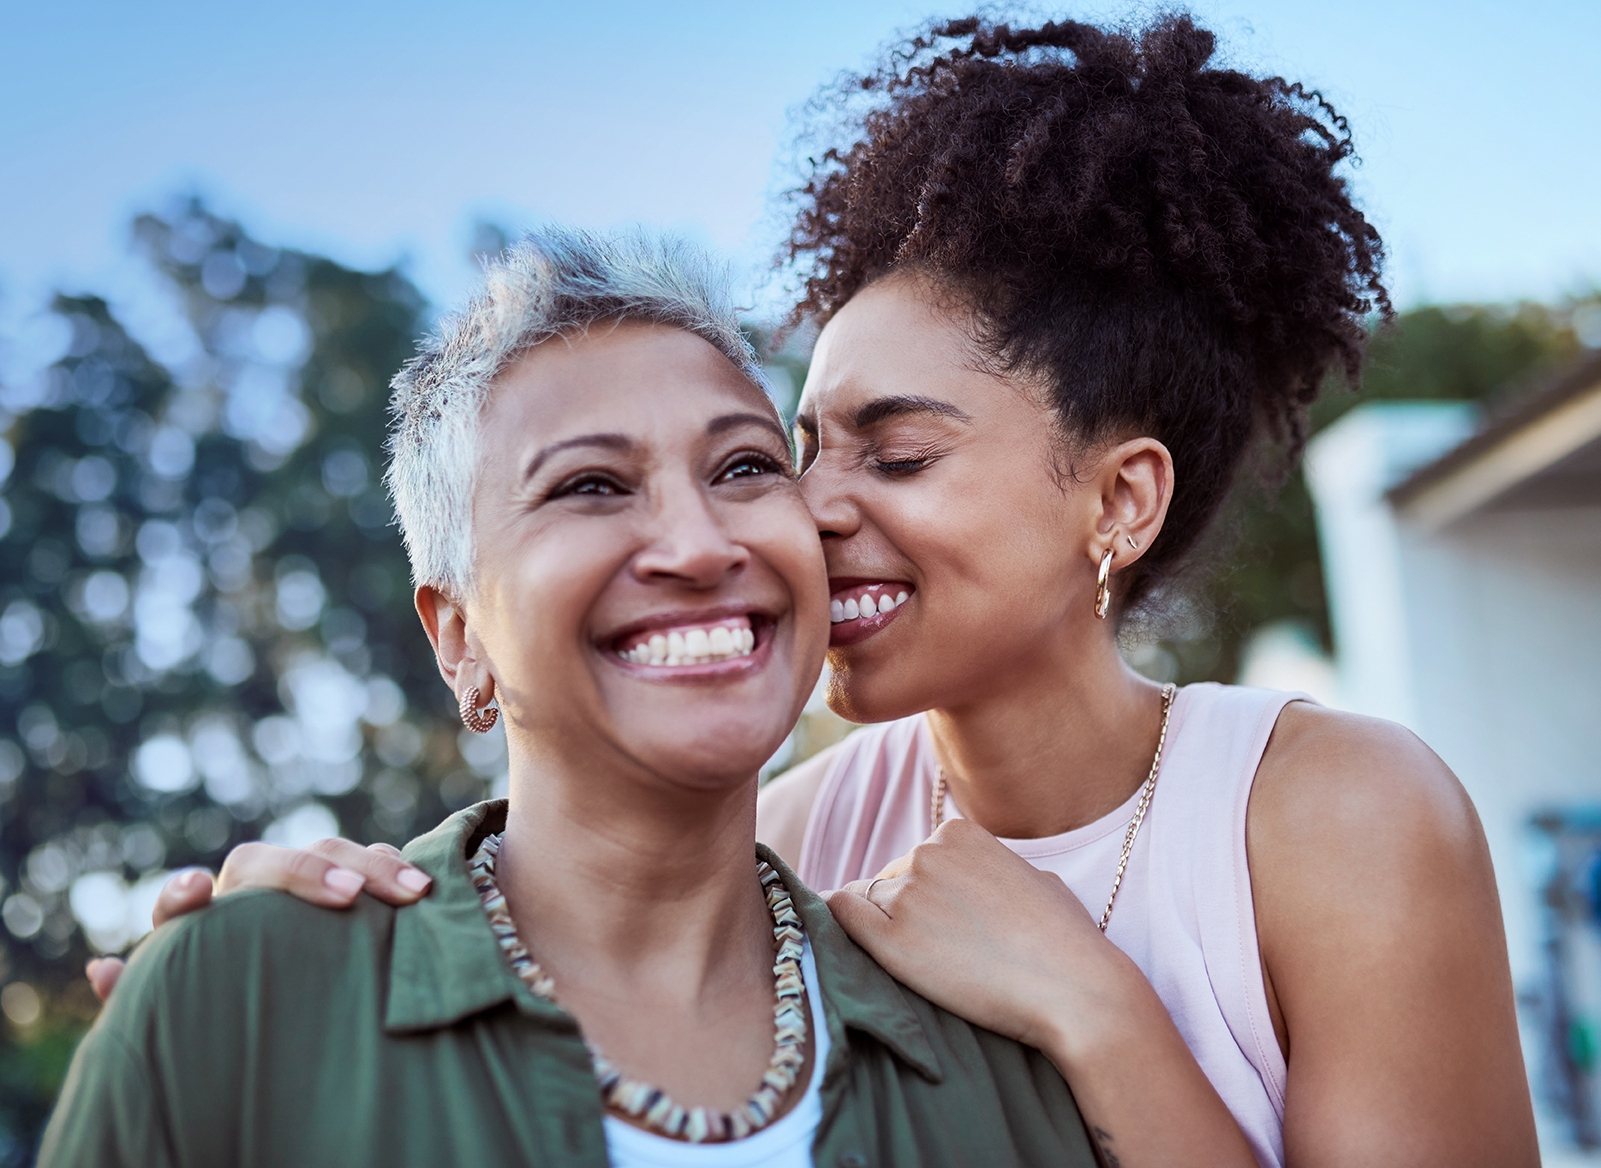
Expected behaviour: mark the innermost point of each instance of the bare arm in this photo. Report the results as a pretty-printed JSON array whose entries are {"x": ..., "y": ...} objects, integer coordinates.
[
  {"x": 1382, "y": 946},
  {"x": 331, "y": 872},
  {"x": 1384, "y": 951},
  {"x": 785, "y": 804}
]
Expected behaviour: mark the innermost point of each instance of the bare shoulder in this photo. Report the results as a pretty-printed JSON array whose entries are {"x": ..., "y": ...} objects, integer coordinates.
[
  {"x": 784, "y": 805},
  {"x": 1356, "y": 815},
  {"x": 1382, "y": 948},
  {"x": 1363, "y": 782}
]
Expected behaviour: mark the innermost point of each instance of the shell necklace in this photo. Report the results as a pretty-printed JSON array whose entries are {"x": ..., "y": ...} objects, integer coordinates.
[
  {"x": 638, "y": 1099},
  {"x": 936, "y": 806}
]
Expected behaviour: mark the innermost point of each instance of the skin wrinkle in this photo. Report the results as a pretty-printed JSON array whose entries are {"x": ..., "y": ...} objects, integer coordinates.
[
  {"x": 1365, "y": 862},
  {"x": 1166, "y": 207},
  {"x": 1180, "y": 274},
  {"x": 627, "y": 860}
]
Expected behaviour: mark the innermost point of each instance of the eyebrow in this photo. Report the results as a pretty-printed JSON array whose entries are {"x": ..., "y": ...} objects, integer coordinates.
[
  {"x": 732, "y": 421},
  {"x": 890, "y": 407},
  {"x": 602, "y": 441},
  {"x": 623, "y": 443}
]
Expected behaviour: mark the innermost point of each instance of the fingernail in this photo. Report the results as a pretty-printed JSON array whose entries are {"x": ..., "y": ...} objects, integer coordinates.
[
  {"x": 192, "y": 880},
  {"x": 414, "y": 879},
  {"x": 343, "y": 881}
]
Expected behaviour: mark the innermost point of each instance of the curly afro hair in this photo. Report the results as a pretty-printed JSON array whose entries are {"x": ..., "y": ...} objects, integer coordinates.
[{"x": 1167, "y": 246}]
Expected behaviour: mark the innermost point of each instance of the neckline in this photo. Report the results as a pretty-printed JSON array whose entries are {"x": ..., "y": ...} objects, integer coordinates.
[{"x": 1037, "y": 847}]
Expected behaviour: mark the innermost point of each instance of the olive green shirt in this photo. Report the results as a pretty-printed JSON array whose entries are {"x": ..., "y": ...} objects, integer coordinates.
[{"x": 268, "y": 1032}]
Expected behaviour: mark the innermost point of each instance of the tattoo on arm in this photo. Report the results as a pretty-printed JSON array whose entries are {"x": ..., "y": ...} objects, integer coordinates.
[{"x": 1103, "y": 1148}]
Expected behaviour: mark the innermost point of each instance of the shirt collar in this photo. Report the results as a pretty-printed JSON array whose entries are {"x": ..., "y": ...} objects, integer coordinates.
[
  {"x": 446, "y": 965},
  {"x": 857, "y": 992}
]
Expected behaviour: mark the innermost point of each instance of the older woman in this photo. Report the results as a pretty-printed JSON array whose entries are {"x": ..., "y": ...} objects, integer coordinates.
[{"x": 609, "y": 543}]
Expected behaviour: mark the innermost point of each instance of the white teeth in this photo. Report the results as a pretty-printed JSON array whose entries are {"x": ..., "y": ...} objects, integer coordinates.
[
  {"x": 692, "y": 646},
  {"x": 866, "y": 605}
]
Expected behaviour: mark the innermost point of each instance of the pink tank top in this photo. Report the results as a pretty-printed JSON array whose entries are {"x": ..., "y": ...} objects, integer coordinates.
[{"x": 1184, "y": 913}]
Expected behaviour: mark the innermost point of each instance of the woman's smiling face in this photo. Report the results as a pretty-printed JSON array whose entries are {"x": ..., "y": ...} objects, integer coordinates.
[
  {"x": 937, "y": 482},
  {"x": 649, "y": 588}
]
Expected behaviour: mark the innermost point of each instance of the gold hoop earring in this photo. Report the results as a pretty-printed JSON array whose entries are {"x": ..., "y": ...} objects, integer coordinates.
[
  {"x": 1103, "y": 586},
  {"x": 471, "y": 718}
]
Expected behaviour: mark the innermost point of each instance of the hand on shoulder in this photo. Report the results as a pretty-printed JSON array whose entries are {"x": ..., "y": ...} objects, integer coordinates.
[{"x": 330, "y": 873}]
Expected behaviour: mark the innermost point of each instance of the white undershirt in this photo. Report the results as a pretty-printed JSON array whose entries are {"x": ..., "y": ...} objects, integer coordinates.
[{"x": 785, "y": 1143}]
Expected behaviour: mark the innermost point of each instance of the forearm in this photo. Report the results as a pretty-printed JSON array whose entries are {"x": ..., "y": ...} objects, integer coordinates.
[{"x": 1144, "y": 1098}]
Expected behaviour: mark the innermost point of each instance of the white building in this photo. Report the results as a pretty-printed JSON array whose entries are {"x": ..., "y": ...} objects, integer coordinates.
[{"x": 1463, "y": 566}]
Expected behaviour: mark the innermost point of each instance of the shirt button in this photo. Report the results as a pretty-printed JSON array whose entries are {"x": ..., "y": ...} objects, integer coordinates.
[{"x": 852, "y": 1160}]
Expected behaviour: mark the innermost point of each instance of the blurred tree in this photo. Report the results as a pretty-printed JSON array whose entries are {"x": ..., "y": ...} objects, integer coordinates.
[
  {"x": 206, "y": 630},
  {"x": 1263, "y": 564}
]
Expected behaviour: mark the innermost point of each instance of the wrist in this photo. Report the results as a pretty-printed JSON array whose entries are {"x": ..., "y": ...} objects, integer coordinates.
[{"x": 1107, "y": 1001}]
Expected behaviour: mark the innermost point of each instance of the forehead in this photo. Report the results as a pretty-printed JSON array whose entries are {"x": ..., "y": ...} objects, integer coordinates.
[
  {"x": 892, "y": 337},
  {"x": 634, "y": 378}
]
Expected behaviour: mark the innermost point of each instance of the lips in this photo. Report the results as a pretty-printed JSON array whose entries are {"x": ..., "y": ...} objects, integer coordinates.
[{"x": 861, "y": 608}]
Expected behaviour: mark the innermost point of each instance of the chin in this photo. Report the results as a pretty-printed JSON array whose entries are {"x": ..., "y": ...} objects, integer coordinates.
[
  {"x": 864, "y": 692},
  {"x": 714, "y": 755},
  {"x": 697, "y": 769}
]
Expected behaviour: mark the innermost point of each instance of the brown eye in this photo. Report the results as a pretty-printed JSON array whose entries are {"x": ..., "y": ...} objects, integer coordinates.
[
  {"x": 589, "y": 484},
  {"x": 749, "y": 465}
]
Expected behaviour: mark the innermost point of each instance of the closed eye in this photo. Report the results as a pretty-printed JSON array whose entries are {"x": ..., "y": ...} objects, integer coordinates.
[{"x": 901, "y": 466}]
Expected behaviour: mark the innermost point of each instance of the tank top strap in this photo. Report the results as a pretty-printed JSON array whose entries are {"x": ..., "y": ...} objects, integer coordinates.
[{"x": 1201, "y": 803}]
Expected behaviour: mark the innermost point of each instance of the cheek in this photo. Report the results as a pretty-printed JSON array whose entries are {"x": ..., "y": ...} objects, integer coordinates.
[
  {"x": 998, "y": 541},
  {"x": 537, "y": 611},
  {"x": 787, "y": 541}
]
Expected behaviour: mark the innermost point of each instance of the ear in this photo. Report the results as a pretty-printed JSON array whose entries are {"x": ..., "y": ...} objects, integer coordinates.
[
  {"x": 1135, "y": 483},
  {"x": 456, "y": 649}
]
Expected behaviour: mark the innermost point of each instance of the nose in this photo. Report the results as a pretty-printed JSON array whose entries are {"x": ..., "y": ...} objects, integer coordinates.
[
  {"x": 825, "y": 487},
  {"x": 691, "y": 543}
]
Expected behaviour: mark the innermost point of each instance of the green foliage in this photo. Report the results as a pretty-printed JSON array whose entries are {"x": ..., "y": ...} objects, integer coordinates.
[
  {"x": 206, "y": 625},
  {"x": 1264, "y": 564},
  {"x": 205, "y": 613}
]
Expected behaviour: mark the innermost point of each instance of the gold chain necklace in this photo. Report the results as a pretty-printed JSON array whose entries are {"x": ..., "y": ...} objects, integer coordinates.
[
  {"x": 936, "y": 807},
  {"x": 634, "y": 1097}
]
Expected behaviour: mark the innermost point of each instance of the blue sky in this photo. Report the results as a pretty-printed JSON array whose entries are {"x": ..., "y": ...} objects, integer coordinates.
[{"x": 378, "y": 132}]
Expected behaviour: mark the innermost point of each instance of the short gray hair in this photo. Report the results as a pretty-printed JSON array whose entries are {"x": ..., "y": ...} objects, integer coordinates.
[{"x": 555, "y": 282}]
